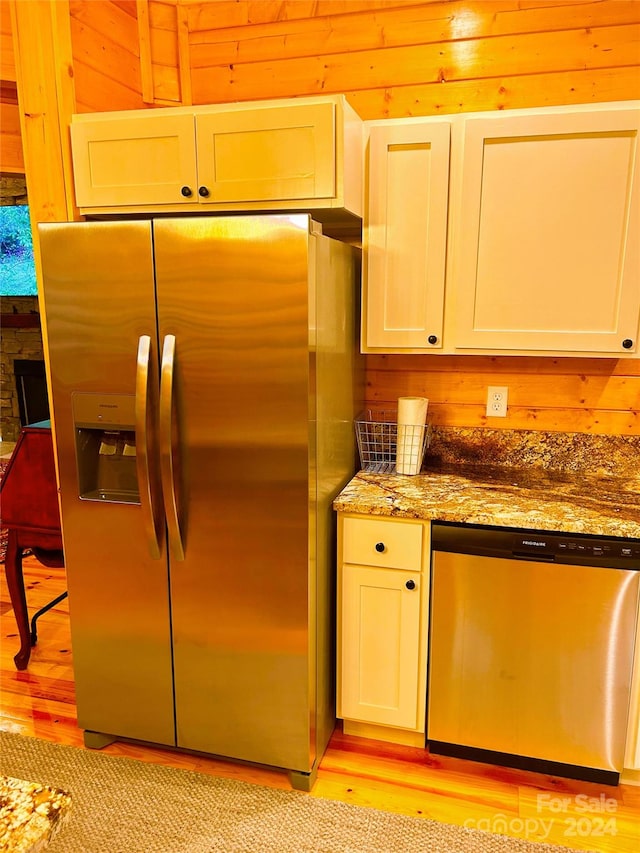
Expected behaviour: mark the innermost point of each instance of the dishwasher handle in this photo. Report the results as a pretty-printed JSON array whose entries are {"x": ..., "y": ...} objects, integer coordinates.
[{"x": 532, "y": 555}]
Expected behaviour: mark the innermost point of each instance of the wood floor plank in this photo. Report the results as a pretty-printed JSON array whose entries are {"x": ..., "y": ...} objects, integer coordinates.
[{"x": 40, "y": 702}]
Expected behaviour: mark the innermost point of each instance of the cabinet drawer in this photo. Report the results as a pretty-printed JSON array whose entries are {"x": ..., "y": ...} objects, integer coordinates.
[{"x": 390, "y": 544}]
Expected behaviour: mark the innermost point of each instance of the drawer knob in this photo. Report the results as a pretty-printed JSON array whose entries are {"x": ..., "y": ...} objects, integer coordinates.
[
  {"x": 186, "y": 192},
  {"x": 203, "y": 191},
  {"x": 433, "y": 339},
  {"x": 627, "y": 343},
  {"x": 380, "y": 547},
  {"x": 410, "y": 584}
]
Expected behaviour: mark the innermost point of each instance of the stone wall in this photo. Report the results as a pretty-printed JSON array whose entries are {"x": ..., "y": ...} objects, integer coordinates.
[{"x": 16, "y": 342}]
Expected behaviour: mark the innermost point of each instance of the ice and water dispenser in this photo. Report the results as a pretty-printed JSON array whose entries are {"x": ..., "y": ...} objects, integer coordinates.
[{"x": 106, "y": 447}]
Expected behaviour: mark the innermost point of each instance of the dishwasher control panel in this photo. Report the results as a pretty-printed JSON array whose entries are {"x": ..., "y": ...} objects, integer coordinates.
[
  {"x": 531, "y": 545},
  {"x": 543, "y": 546}
]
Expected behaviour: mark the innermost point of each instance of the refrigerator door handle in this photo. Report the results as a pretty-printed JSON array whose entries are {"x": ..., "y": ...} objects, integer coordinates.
[
  {"x": 169, "y": 429},
  {"x": 151, "y": 512}
]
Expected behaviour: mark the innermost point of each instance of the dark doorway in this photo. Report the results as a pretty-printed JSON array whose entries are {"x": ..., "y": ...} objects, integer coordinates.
[{"x": 31, "y": 384}]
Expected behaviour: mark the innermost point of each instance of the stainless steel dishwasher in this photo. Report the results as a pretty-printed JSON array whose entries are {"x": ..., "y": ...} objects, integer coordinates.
[{"x": 531, "y": 648}]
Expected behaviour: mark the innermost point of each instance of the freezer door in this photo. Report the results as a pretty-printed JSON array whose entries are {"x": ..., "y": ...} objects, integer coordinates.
[
  {"x": 532, "y": 659},
  {"x": 98, "y": 303},
  {"x": 234, "y": 327}
]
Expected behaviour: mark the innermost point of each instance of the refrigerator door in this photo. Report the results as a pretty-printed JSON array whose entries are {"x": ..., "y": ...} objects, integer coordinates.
[
  {"x": 234, "y": 330},
  {"x": 99, "y": 303}
]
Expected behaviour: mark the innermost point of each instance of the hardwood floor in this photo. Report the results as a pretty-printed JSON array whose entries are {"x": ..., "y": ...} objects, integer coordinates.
[{"x": 40, "y": 702}]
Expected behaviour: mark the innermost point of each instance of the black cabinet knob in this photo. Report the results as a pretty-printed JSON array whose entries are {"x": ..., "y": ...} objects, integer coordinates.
[
  {"x": 627, "y": 343},
  {"x": 410, "y": 584},
  {"x": 433, "y": 339},
  {"x": 186, "y": 192},
  {"x": 203, "y": 191},
  {"x": 380, "y": 547}
]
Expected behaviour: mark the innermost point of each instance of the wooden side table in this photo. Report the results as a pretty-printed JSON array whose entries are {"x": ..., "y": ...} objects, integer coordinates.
[{"x": 31, "y": 514}]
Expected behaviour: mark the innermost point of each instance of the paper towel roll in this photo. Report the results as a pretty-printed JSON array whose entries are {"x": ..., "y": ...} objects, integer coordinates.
[{"x": 412, "y": 417}]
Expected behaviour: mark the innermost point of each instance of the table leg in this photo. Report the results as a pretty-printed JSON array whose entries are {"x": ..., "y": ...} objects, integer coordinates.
[{"x": 15, "y": 582}]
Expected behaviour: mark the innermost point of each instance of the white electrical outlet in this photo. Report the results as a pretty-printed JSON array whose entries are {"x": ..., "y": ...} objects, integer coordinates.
[{"x": 497, "y": 401}]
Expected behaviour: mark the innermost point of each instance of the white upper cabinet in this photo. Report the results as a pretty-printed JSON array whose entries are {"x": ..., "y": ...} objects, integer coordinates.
[
  {"x": 269, "y": 154},
  {"x": 522, "y": 237},
  {"x": 303, "y": 154},
  {"x": 119, "y": 160},
  {"x": 405, "y": 233},
  {"x": 547, "y": 244}
]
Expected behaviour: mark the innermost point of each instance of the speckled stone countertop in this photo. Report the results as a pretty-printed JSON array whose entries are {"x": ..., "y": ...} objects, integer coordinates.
[
  {"x": 29, "y": 814},
  {"x": 573, "y": 483}
]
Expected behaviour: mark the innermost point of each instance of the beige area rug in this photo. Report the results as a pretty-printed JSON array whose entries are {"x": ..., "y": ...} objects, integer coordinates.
[{"x": 119, "y": 805}]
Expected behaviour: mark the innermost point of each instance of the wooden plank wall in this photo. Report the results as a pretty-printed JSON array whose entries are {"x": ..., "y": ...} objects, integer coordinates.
[
  {"x": 106, "y": 55},
  {"x": 598, "y": 395},
  {"x": 164, "y": 52},
  {"x": 11, "y": 158},
  {"x": 7, "y": 59},
  {"x": 401, "y": 58}
]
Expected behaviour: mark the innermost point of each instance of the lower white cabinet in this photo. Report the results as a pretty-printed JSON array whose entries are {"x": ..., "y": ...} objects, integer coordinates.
[{"x": 383, "y": 594}]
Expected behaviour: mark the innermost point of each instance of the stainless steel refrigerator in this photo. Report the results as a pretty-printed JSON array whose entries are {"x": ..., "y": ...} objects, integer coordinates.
[{"x": 204, "y": 380}]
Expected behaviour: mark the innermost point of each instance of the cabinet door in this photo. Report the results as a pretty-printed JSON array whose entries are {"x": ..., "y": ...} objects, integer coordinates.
[
  {"x": 380, "y": 646},
  {"x": 547, "y": 232},
  {"x": 148, "y": 159},
  {"x": 405, "y": 236},
  {"x": 270, "y": 154}
]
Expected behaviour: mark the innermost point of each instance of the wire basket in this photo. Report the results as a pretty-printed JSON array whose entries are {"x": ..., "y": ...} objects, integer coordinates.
[{"x": 382, "y": 444}]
